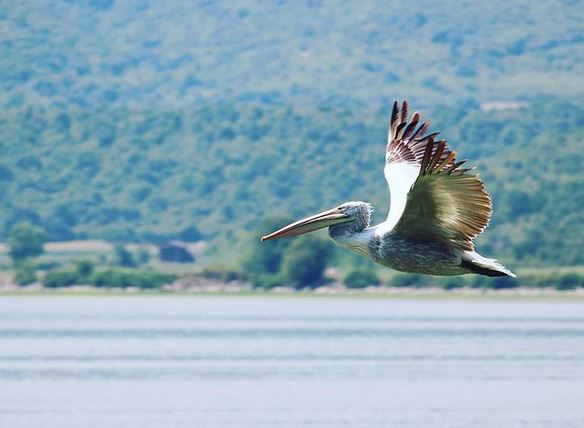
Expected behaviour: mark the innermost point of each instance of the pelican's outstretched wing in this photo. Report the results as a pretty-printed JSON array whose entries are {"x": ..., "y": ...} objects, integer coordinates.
[{"x": 431, "y": 195}]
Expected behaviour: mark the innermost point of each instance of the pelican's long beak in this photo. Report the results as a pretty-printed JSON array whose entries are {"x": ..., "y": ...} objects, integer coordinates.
[{"x": 310, "y": 224}]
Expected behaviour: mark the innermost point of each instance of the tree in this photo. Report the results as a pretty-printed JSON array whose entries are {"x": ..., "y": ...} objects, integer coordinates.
[
  {"x": 266, "y": 257},
  {"x": 143, "y": 256},
  {"x": 408, "y": 280},
  {"x": 305, "y": 261},
  {"x": 452, "y": 282},
  {"x": 504, "y": 282},
  {"x": 190, "y": 234},
  {"x": 85, "y": 269},
  {"x": 124, "y": 257},
  {"x": 25, "y": 272},
  {"x": 361, "y": 278},
  {"x": 60, "y": 278},
  {"x": 26, "y": 241},
  {"x": 569, "y": 281}
]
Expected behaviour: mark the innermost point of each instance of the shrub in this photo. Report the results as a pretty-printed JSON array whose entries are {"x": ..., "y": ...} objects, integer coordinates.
[
  {"x": 452, "y": 282},
  {"x": 48, "y": 265},
  {"x": 501, "y": 282},
  {"x": 26, "y": 240},
  {"x": 361, "y": 279},
  {"x": 150, "y": 280},
  {"x": 478, "y": 281},
  {"x": 569, "y": 281},
  {"x": 305, "y": 261},
  {"x": 266, "y": 257},
  {"x": 25, "y": 273},
  {"x": 116, "y": 278},
  {"x": 85, "y": 268},
  {"x": 190, "y": 234},
  {"x": 223, "y": 273},
  {"x": 124, "y": 257},
  {"x": 110, "y": 278},
  {"x": 408, "y": 280},
  {"x": 267, "y": 281},
  {"x": 143, "y": 256},
  {"x": 60, "y": 278}
]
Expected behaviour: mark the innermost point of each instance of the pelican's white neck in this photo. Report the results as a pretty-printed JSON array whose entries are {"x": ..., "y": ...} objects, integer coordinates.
[{"x": 355, "y": 241}]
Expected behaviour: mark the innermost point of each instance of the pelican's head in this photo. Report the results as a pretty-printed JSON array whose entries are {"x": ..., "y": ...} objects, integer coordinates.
[{"x": 350, "y": 217}]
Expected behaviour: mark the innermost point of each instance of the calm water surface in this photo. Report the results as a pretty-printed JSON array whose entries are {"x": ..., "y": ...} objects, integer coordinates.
[{"x": 288, "y": 362}]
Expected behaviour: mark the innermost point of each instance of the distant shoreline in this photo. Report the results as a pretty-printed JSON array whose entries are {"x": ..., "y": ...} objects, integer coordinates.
[{"x": 522, "y": 293}]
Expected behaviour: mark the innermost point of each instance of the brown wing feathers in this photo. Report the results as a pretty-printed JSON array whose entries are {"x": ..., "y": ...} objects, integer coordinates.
[
  {"x": 439, "y": 159},
  {"x": 407, "y": 142},
  {"x": 462, "y": 206}
]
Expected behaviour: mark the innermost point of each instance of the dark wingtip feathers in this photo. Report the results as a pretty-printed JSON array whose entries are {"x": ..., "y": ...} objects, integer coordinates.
[
  {"x": 408, "y": 143},
  {"x": 405, "y": 111},
  {"x": 393, "y": 121}
]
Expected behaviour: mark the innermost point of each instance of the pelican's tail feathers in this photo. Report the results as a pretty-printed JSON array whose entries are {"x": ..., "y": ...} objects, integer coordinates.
[{"x": 484, "y": 266}]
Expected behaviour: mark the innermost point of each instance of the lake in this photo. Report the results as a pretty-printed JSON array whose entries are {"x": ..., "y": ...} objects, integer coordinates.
[{"x": 184, "y": 361}]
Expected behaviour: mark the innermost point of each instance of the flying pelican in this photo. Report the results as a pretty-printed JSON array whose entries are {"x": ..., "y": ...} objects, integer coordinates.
[{"x": 437, "y": 208}]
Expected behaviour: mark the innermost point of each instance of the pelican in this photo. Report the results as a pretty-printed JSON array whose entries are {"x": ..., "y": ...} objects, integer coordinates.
[{"x": 437, "y": 208}]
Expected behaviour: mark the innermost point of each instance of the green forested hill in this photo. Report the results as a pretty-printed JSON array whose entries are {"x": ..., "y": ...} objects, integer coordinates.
[
  {"x": 146, "y": 120},
  {"x": 132, "y": 176},
  {"x": 152, "y": 53}
]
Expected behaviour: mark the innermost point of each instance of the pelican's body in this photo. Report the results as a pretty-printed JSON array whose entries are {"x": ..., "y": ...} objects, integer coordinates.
[
  {"x": 403, "y": 253},
  {"x": 399, "y": 252},
  {"x": 437, "y": 208}
]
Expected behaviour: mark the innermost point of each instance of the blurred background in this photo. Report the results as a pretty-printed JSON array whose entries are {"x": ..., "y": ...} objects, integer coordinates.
[
  {"x": 141, "y": 123},
  {"x": 146, "y": 145}
]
